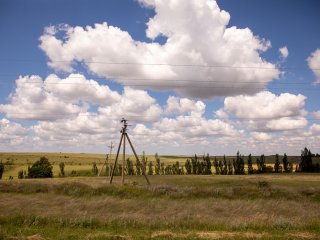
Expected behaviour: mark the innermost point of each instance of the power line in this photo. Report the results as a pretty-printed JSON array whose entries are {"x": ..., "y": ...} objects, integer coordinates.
[
  {"x": 165, "y": 64},
  {"x": 149, "y": 80},
  {"x": 163, "y": 115},
  {"x": 263, "y": 88}
]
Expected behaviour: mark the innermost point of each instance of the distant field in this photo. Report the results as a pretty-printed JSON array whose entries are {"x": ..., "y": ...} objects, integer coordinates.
[
  {"x": 268, "y": 206},
  {"x": 83, "y": 161}
]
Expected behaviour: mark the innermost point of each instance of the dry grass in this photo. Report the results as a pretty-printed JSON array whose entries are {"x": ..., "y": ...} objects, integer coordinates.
[{"x": 174, "y": 207}]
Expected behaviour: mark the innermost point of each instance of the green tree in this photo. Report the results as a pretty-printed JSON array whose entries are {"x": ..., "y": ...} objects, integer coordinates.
[
  {"x": 162, "y": 169},
  {"x": 216, "y": 165},
  {"x": 176, "y": 168},
  {"x": 61, "y": 166},
  {"x": 188, "y": 166},
  {"x": 157, "y": 167},
  {"x": 41, "y": 169},
  {"x": 168, "y": 170},
  {"x": 250, "y": 168},
  {"x": 285, "y": 163},
  {"x": 306, "y": 160},
  {"x": 225, "y": 165},
  {"x": 261, "y": 164},
  {"x": 130, "y": 168},
  {"x": 208, "y": 165},
  {"x": 220, "y": 167},
  {"x": 230, "y": 169},
  {"x": 150, "y": 168},
  {"x": 194, "y": 162},
  {"x": 239, "y": 164},
  {"x": 199, "y": 167},
  {"x": 144, "y": 161},
  {"x": 138, "y": 168},
  {"x": 277, "y": 164},
  {"x": 1, "y": 169}
]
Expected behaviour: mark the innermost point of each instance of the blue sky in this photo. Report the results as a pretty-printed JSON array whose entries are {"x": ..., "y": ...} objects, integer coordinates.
[{"x": 208, "y": 76}]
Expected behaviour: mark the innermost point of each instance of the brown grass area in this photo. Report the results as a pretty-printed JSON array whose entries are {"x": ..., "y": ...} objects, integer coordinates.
[
  {"x": 173, "y": 207},
  {"x": 234, "y": 212},
  {"x": 33, "y": 237}
]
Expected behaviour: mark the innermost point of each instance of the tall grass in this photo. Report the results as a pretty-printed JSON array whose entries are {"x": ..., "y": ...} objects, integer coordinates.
[{"x": 173, "y": 207}]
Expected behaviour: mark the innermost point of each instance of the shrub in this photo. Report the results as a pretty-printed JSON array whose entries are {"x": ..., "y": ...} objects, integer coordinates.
[
  {"x": 61, "y": 166},
  {"x": 41, "y": 169},
  {"x": 20, "y": 174},
  {"x": 94, "y": 169},
  {"x": 1, "y": 169}
]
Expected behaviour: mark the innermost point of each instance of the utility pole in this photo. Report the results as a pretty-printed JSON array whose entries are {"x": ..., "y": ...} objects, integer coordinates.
[
  {"x": 124, "y": 136},
  {"x": 109, "y": 165},
  {"x": 106, "y": 161}
]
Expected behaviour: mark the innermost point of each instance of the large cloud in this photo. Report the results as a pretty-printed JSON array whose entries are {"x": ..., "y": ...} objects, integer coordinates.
[
  {"x": 179, "y": 106},
  {"x": 134, "y": 105},
  {"x": 314, "y": 64},
  {"x": 76, "y": 88},
  {"x": 197, "y": 37},
  {"x": 11, "y": 133},
  {"x": 32, "y": 101},
  {"x": 55, "y": 98},
  {"x": 266, "y": 111}
]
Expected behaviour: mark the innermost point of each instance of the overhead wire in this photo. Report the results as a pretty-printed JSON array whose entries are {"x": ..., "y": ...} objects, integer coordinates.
[
  {"x": 162, "y": 64},
  {"x": 141, "y": 116}
]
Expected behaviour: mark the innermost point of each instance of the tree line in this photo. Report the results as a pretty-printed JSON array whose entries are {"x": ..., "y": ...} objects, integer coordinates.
[
  {"x": 207, "y": 165},
  {"x": 204, "y": 165}
]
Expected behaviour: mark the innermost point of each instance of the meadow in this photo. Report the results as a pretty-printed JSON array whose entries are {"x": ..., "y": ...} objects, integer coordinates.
[
  {"x": 258, "y": 206},
  {"x": 82, "y": 162},
  {"x": 14, "y": 162}
]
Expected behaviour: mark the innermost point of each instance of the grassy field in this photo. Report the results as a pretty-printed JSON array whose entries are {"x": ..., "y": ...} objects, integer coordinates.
[
  {"x": 73, "y": 161},
  {"x": 14, "y": 162},
  {"x": 268, "y": 206}
]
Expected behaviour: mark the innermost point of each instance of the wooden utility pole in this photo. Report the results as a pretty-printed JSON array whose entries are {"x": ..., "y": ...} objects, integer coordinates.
[
  {"x": 106, "y": 161},
  {"x": 124, "y": 136}
]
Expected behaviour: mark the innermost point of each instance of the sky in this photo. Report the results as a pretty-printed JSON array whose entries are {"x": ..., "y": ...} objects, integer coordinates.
[{"x": 191, "y": 77}]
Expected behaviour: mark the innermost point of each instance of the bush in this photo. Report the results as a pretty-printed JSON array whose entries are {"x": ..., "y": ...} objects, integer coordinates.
[
  {"x": 1, "y": 169},
  {"x": 41, "y": 169},
  {"x": 61, "y": 166},
  {"x": 94, "y": 169},
  {"x": 20, "y": 174}
]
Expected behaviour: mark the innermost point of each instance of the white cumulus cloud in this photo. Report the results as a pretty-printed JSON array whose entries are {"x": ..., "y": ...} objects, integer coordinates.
[
  {"x": 32, "y": 101},
  {"x": 266, "y": 111},
  {"x": 315, "y": 129},
  {"x": 134, "y": 105},
  {"x": 314, "y": 64},
  {"x": 202, "y": 57},
  {"x": 11, "y": 134},
  {"x": 261, "y": 136},
  {"x": 180, "y": 106},
  {"x": 284, "y": 52},
  {"x": 77, "y": 88}
]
